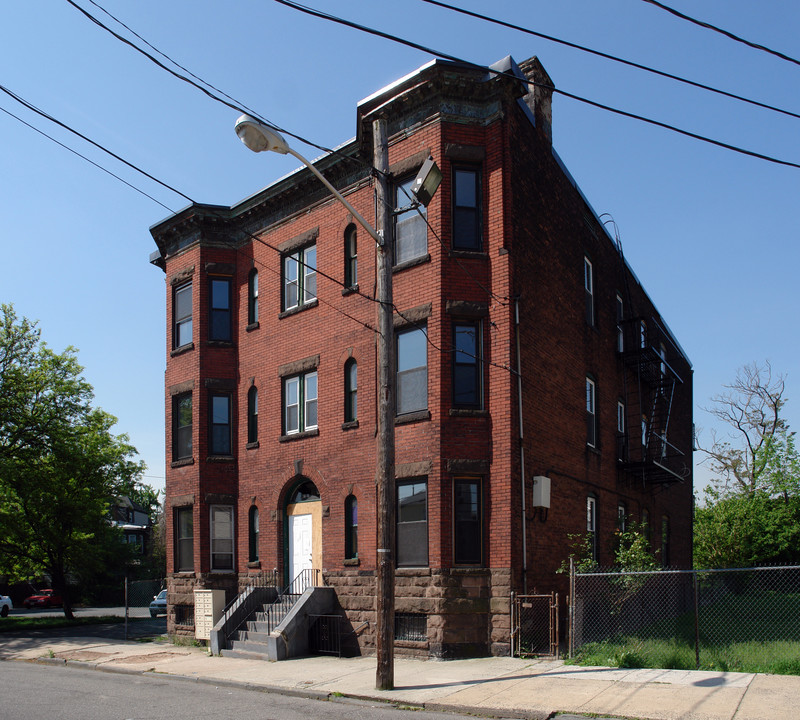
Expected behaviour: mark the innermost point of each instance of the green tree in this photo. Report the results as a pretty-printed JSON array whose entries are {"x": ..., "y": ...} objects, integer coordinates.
[
  {"x": 60, "y": 465},
  {"x": 751, "y": 514}
]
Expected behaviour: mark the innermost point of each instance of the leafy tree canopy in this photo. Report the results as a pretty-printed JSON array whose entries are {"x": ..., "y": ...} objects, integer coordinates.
[{"x": 60, "y": 465}]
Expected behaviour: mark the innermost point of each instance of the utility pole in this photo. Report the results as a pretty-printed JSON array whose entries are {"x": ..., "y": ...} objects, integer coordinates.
[{"x": 384, "y": 679}]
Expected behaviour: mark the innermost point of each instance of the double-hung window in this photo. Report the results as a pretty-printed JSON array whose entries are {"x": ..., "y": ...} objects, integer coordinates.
[
  {"x": 591, "y": 524},
  {"x": 620, "y": 327},
  {"x": 412, "y": 523},
  {"x": 219, "y": 319},
  {"x": 467, "y": 365},
  {"x": 350, "y": 257},
  {"x": 350, "y": 390},
  {"x": 299, "y": 403},
  {"x": 466, "y": 209},
  {"x": 467, "y": 533},
  {"x": 252, "y": 297},
  {"x": 182, "y": 426},
  {"x": 220, "y": 414},
  {"x": 300, "y": 277},
  {"x": 253, "y": 534},
  {"x": 252, "y": 415},
  {"x": 182, "y": 315},
  {"x": 591, "y": 413},
  {"x": 221, "y": 537},
  {"x": 621, "y": 438},
  {"x": 412, "y": 370},
  {"x": 351, "y": 527},
  {"x": 410, "y": 226},
  {"x": 184, "y": 539},
  {"x": 588, "y": 286}
]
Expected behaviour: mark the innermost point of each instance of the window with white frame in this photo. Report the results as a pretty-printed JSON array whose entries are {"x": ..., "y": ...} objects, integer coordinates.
[
  {"x": 591, "y": 413},
  {"x": 350, "y": 390},
  {"x": 412, "y": 370},
  {"x": 300, "y": 277},
  {"x": 221, "y": 537},
  {"x": 299, "y": 403},
  {"x": 621, "y": 439},
  {"x": 620, "y": 328},
  {"x": 588, "y": 286},
  {"x": 410, "y": 227},
  {"x": 182, "y": 315},
  {"x": 622, "y": 516},
  {"x": 252, "y": 297}
]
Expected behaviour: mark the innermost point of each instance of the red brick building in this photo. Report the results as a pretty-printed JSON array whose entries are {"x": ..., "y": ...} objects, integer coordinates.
[{"x": 529, "y": 358}]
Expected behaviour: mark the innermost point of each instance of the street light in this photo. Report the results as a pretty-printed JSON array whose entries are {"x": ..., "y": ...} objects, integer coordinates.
[{"x": 259, "y": 138}]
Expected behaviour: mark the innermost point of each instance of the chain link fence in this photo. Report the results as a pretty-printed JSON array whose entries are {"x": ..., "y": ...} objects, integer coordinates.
[
  {"x": 139, "y": 595},
  {"x": 744, "y": 619}
]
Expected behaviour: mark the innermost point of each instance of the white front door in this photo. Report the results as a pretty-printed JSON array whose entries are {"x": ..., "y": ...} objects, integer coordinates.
[{"x": 300, "y": 548}]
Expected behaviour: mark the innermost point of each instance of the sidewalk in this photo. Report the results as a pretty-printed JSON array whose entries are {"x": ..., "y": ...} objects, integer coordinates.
[{"x": 504, "y": 687}]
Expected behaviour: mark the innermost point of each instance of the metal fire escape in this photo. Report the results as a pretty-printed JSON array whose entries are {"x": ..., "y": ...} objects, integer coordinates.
[{"x": 645, "y": 453}]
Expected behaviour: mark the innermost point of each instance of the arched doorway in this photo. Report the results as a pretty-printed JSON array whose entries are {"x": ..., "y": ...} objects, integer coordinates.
[{"x": 303, "y": 534}]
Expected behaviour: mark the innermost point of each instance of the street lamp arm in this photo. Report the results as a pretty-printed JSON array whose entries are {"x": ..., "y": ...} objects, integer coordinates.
[{"x": 357, "y": 215}]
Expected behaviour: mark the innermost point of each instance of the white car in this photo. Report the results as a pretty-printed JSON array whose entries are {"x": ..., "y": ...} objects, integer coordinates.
[{"x": 5, "y": 605}]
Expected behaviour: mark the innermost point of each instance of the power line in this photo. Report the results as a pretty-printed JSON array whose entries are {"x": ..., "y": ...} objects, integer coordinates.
[
  {"x": 446, "y": 56},
  {"x": 230, "y": 102},
  {"x": 89, "y": 160},
  {"x": 613, "y": 58},
  {"x": 726, "y": 33}
]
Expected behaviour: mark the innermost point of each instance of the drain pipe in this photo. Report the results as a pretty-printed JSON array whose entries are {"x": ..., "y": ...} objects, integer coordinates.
[{"x": 521, "y": 455}]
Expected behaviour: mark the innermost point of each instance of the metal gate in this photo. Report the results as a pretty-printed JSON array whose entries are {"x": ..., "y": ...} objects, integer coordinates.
[{"x": 534, "y": 625}]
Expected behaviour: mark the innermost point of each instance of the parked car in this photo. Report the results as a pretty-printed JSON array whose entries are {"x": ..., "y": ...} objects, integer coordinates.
[
  {"x": 159, "y": 604},
  {"x": 42, "y": 599},
  {"x": 6, "y": 606}
]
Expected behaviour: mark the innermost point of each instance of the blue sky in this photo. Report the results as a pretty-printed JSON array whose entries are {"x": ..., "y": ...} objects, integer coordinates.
[{"x": 713, "y": 235}]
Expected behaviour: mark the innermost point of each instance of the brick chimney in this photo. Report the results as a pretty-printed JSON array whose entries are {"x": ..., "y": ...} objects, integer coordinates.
[{"x": 540, "y": 95}]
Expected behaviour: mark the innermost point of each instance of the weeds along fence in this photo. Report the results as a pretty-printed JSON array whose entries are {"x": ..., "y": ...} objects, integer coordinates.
[{"x": 728, "y": 619}]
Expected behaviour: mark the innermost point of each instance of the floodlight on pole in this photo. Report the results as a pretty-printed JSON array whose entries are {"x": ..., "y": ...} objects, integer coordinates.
[{"x": 260, "y": 138}]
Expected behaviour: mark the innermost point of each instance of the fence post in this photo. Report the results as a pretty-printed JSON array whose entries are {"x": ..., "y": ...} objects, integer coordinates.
[
  {"x": 696, "y": 622},
  {"x": 571, "y": 613},
  {"x": 511, "y": 619},
  {"x": 126, "y": 607}
]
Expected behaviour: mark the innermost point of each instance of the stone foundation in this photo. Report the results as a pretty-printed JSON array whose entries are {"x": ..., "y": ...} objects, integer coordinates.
[{"x": 467, "y": 610}]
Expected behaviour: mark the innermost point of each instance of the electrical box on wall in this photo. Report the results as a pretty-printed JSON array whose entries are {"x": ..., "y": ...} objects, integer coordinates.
[{"x": 541, "y": 491}]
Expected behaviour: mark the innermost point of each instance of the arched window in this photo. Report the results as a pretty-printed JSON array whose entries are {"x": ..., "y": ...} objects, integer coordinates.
[
  {"x": 305, "y": 492},
  {"x": 350, "y": 257},
  {"x": 252, "y": 415},
  {"x": 252, "y": 297},
  {"x": 350, "y": 527},
  {"x": 350, "y": 390},
  {"x": 253, "y": 533}
]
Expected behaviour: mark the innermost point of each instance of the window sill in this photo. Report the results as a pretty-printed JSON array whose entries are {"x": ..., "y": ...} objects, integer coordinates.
[
  {"x": 352, "y": 562},
  {"x": 220, "y": 343},
  {"x": 350, "y": 425},
  {"x": 298, "y": 309},
  {"x": 412, "y": 417},
  {"x": 183, "y": 574},
  {"x": 473, "y": 254},
  {"x": 299, "y": 435},
  {"x": 350, "y": 289},
  {"x": 222, "y": 572},
  {"x": 182, "y": 349},
  {"x": 592, "y": 449},
  {"x": 252, "y": 326},
  {"x": 252, "y": 445},
  {"x": 468, "y": 412},
  {"x": 183, "y": 462},
  {"x": 220, "y": 459},
  {"x": 254, "y": 565},
  {"x": 421, "y": 260},
  {"x": 412, "y": 644}
]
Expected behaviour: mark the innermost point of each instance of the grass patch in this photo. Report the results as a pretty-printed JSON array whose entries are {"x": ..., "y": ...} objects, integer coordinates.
[
  {"x": 21, "y": 624},
  {"x": 743, "y": 632}
]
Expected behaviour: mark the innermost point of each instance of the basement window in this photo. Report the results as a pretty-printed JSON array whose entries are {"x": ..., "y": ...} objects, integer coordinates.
[{"x": 411, "y": 626}]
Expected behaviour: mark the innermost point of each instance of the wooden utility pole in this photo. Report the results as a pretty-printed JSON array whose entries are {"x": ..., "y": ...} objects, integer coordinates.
[{"x": 384, "y": 633}]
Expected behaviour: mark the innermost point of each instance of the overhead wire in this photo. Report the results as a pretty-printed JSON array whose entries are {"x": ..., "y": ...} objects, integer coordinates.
[
  {"x": 726, "y": 33},
  {"x": 447, "y": 56},
  {"x": 613, "y": 58}
]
